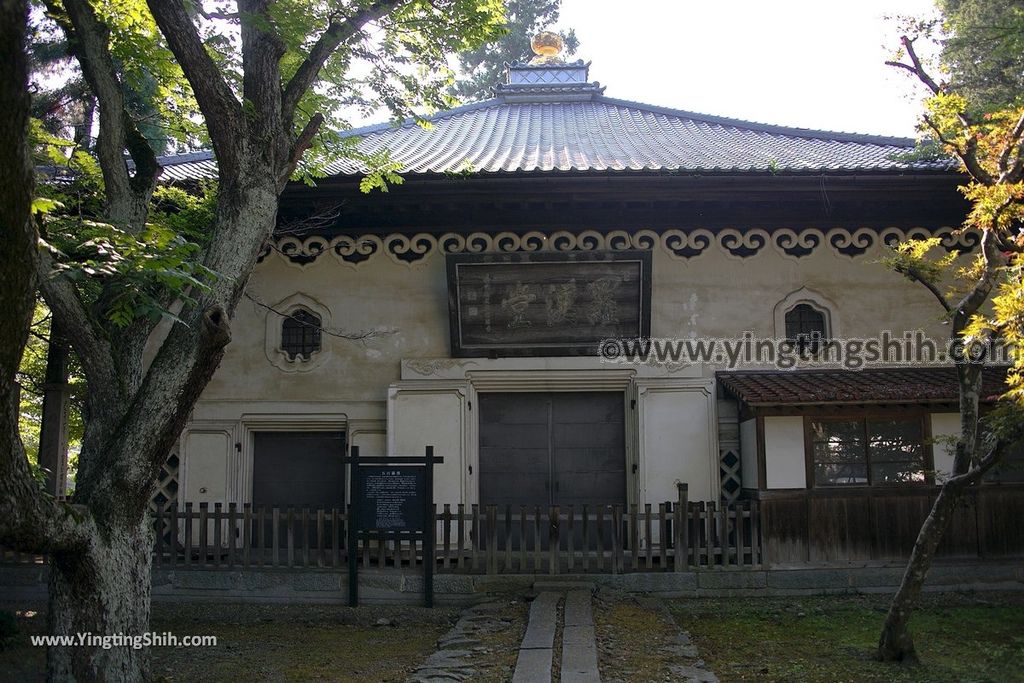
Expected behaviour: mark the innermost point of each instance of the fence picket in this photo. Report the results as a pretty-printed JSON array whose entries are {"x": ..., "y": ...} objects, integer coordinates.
[
  {"x": 508, "y": 539},
  {"x": 474, "y": 537},
  {"x": 648, "y": 527},
  {"x": 246, "y": 534},
  {"x": 522, "y": 538},
  {"x": 553, "y": 540},
  {"x": 538, "y": 550},
  {"x": 291, "y": 536},
  {"x": 462, "y": 537},
  {"x": 335, "y": 537},
  {"x": 320, "y": 537},
  {"x": 174, "y": 534},
  {"x": 634, "y": 535},
  {"x": 586, "y": 538},
  {"x": 663, "y": 534},
  {"x": 446, "y": 536},
  {"x": 492, "y": 539},
  {"x": 232, "y": 532},
  {"x": 616, "y": 539},
  {"x": 203, "y": 512},
  {"x": 570, "y": 538}
]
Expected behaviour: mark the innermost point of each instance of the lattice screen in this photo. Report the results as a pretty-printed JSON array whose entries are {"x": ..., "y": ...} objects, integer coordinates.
[
  {"x": 167, "y": 491},
  {"x": 729, "y": 470}
]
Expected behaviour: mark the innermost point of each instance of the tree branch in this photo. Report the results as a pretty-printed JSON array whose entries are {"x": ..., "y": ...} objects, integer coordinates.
[
  {"x": 917, "y": 276},
  {"x": 918, "y": 67},
  {"x": 973, "y": 300},
  {"x": 28, "y": 519},
  {"x": 1015, "y": 173},
  {"x": 299, "y": 147},
  {"x": 336, "y": 33},
  {"x": 93, "y": 350},
  {"x": 966, "y": 154},
  {"x": 127, "y": 196},
  {"x": 988, "y": 461},
  {"x": 221, "y": 109}
]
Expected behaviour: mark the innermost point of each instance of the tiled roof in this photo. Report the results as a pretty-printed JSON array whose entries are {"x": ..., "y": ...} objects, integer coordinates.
[
  {"x": 599, "y": 133},
  {"x": 811, "y": 387}
]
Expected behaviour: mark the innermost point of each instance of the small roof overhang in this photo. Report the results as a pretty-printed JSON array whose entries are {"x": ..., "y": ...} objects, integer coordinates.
[{"x": 762, "y": 389}]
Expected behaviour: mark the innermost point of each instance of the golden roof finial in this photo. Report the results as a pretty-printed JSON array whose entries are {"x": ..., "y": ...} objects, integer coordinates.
[{"x": 547, "y": 46}]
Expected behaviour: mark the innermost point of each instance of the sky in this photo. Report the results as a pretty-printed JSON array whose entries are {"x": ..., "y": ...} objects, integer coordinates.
[{"x": 805, "y": 63}]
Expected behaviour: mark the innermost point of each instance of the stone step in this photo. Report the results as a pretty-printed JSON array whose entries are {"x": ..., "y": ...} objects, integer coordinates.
[
  {"x": 540, "y": 632},
  {"x": 563, "y": 586},
  {"x": 579, "y": 644}
]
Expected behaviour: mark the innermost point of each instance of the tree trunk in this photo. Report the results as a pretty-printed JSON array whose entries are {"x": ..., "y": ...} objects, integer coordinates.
[
  {"x": 102, "y": 592},
  {"x": 896, "y": 643}
]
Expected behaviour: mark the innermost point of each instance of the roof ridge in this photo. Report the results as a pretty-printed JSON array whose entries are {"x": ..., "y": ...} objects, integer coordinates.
[{"x": 837, "y": 136}]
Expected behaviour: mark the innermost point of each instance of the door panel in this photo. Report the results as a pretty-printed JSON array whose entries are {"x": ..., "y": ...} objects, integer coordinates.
[
  {"x": 515, "y": 454},
  {"x": 298, "y": 469},
  {"x": 559, "y": 448}
]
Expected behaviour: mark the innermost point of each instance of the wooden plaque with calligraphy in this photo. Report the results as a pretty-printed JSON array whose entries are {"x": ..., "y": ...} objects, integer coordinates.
[{"x": 548, "y": 303}]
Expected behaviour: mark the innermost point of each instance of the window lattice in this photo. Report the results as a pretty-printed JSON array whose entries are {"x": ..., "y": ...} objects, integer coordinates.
[
  {"x": 805, "y": 326},
  {"x": 300, "y": 335}
]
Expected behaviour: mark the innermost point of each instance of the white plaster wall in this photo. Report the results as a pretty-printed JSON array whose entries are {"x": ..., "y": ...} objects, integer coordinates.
[
  {"x": 748, "y": 453},
  {"x": 784, "y": 460},
  {"x": 944, "y": 426},
  {"x": 420, "y": 416},
  {"x": 713, "y": 295},
  {"x": 678, "y": 442}
]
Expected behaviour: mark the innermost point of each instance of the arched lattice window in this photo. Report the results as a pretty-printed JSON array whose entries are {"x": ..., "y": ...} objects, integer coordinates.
[
  {"x": 300, "y": 335},
  {"x": 805, "y": 326}
]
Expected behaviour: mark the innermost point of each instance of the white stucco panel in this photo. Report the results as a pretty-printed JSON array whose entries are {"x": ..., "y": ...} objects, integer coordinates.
[
  {"x": 678, "y": 439},
  {"x": 945, "y": 431},
  {"x": 434, "y": 415},
  {"x": 785, "y": 465}
]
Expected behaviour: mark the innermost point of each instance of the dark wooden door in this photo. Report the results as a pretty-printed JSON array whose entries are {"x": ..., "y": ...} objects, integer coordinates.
[
  {"x": 298, "y": 469},
  {"x": 559, "y": 448}
]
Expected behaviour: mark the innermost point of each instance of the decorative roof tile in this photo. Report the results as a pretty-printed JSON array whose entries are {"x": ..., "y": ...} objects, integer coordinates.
[{"x": 890, "y": 385}]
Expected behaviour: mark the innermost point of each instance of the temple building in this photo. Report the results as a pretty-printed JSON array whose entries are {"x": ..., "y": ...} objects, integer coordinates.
[{"x": 489, "y": 304}]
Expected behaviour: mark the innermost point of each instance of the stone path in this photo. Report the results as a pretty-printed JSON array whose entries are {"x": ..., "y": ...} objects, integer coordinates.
[
  {"x": 456, "y": 658},
  {"x": 579, "y": 648}
]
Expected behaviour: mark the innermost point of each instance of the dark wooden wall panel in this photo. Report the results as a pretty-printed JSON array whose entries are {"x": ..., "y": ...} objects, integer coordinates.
[
  {"x": 784, "y": 530},
  {"x": 896, "y": 521},
  {"x": 854, "y": 525},
  {"x": 1001, "y": 522},
  {"x": 838, "y": 527}
]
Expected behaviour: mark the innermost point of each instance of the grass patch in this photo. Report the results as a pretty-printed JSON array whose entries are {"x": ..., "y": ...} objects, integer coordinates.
[
  {"x": 960, "y": 638},
  {"x": 267, "y": 643},
  {"x": 634, "y": 641}
]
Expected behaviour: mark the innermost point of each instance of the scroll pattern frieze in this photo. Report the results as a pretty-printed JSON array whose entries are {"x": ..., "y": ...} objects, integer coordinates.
[{"x": 682, "y": 245}]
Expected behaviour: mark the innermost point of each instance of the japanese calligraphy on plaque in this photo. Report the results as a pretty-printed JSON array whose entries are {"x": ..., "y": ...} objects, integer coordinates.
[{"x": 546, "y": 304}]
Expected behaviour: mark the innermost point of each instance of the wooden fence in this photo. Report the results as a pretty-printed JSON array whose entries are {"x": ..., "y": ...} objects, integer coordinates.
[
  {"x": 824, "y": 526},
  {"x": 470, "y": 539},
  {"x": 775, "y": 529}
]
